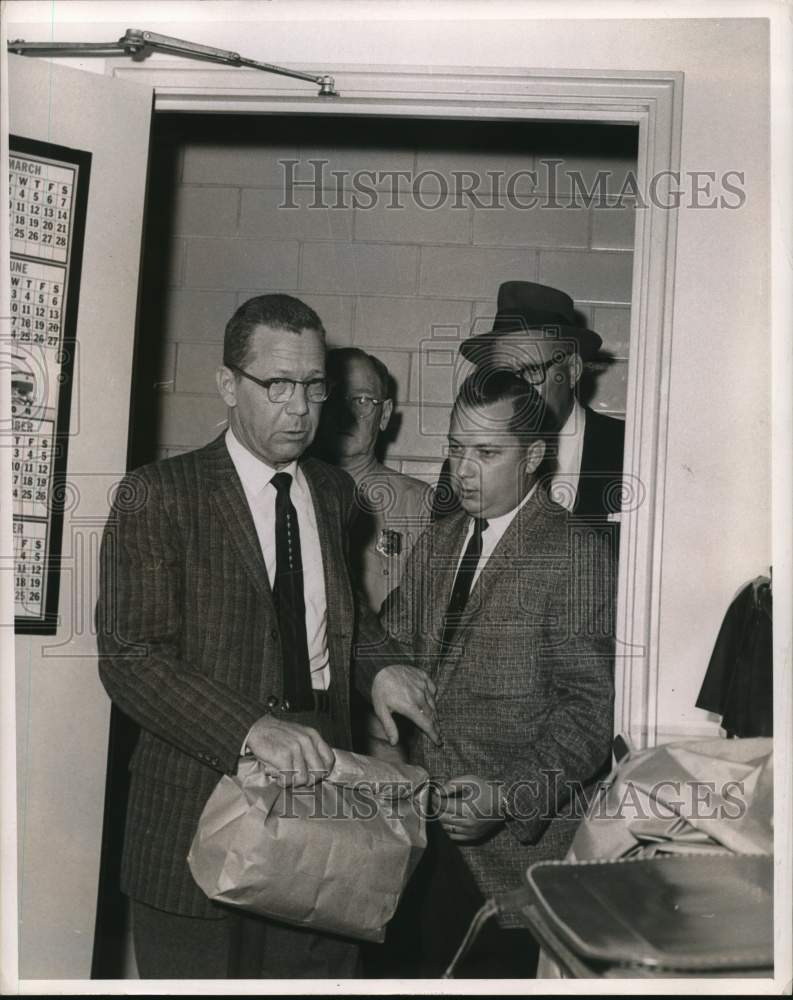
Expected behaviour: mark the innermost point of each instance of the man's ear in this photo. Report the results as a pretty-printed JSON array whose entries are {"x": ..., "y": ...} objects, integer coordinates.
[
  {"x": 226, "y": 382},
  {"x": 385, "y": 416},
  {"x": 575, "y": 368},
  {"x": 535, "y": 453}
]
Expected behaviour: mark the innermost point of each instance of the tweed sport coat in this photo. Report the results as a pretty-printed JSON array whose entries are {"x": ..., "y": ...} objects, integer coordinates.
[
  {"x": 526, "y": 688},
  {"x": 189, "y": 646}
]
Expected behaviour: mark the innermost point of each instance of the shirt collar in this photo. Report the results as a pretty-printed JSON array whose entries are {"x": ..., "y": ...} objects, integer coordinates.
[
  {"x": 254, "y": 473},
  {"x": 500, "y": 524},
  {"x": 569, "y": 439}
]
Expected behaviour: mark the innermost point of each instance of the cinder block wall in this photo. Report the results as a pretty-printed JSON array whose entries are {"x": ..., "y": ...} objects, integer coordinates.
[{"x": 406, "y": 282}]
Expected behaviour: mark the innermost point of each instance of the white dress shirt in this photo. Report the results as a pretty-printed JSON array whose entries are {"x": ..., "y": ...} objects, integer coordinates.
[
  {"x": 564, "y": 486},
  {"x": 260, "y": 494},
  {"x": 491, "y": 536}
]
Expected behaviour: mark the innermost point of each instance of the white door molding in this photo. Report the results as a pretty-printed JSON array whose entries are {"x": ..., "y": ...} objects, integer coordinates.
[{"x": 650, "y": 100}]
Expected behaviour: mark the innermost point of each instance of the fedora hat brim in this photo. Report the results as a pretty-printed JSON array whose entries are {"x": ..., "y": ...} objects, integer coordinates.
[{"x": 588, "y": 343}]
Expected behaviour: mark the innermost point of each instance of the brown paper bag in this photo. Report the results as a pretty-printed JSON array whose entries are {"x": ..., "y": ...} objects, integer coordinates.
[
  {"x": 683, "y": 797},
  {"x": 335, "y": 857}
]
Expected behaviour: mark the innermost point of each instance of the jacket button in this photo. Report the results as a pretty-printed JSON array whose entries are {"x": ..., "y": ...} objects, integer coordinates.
[
  {"x": 286, "y": 705},
  {"x": 274, "y": 633},
  {"x": 272, "y": 702}
]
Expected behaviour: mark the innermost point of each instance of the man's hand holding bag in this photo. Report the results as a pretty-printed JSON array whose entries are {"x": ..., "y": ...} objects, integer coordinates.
[{"x": 334, "y": 856}]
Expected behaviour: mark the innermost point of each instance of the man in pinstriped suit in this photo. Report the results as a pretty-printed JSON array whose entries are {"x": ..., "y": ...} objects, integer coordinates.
[
  {"x": 508, "y": 605},
  {"x": 195, "y": 603}
]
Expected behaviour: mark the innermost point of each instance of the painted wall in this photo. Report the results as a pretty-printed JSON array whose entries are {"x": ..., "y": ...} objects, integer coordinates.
[{"x": 387, "y": 273}]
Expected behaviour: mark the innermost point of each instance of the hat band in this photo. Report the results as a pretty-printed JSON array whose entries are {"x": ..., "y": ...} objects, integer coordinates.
[{"x": 527, "y": 321}]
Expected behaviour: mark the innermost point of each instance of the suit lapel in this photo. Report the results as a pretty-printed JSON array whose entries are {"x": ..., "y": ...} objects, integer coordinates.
[
  {"x": 596, "y": 474},
  {"x": 447, "y": 551},
  {"x": 511, "y": 546},
  {"x": 339, "y": 598},
  {"x": 584, "y": 495},
  {"x": 325, "y": 498},
  {"x": 227, "y": 496},
  {"x": 431, "y": 600},
  {"x": 231, "y": 505}
]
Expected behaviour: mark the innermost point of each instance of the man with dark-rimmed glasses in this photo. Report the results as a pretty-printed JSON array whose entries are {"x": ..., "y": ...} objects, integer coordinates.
[{"x": 226, "y": 624}]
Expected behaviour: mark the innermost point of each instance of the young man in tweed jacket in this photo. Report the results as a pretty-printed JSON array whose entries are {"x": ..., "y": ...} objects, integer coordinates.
[{"x": 507, "y": 604}]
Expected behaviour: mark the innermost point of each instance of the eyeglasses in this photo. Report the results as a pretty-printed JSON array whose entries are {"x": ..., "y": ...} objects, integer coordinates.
[
  {"x": 281, "y": 390},
  {"x": 536, "y": 374},
  {"x": 364, "y": 405}
]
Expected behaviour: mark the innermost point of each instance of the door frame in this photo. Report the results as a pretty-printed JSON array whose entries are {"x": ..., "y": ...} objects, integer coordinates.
[{"x": 653, "y": 101}]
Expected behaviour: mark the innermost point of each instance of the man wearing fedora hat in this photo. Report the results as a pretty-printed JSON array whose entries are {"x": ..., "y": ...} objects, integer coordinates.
[{"x": 535, "y": 334}]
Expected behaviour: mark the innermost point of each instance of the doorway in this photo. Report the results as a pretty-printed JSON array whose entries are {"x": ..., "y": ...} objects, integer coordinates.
[{"x": 398, "y": 232}]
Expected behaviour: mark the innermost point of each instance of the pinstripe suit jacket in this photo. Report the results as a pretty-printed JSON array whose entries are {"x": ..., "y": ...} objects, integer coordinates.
[
  {"x": 525, "y": 689},
  {"x": 189, "y": 646}
]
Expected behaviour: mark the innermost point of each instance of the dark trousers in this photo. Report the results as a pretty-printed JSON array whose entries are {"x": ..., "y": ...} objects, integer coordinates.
[
  {"x": 237, "y": 946},
  {"x": 435, "y": 913}
]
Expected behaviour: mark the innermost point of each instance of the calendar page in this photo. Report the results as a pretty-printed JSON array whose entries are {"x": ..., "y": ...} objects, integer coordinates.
[
  {"x": 48, "y": 192},
  {"x": 41, "y": 201}
]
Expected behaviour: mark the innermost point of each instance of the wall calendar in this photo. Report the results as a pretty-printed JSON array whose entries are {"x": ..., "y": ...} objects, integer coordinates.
[{"x": 48, "y": 197}]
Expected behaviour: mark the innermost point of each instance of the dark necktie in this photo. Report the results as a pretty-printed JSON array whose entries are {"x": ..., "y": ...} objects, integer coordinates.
[
  {"x": 463, "y": 581},
  {"x": 288, "y": 594}
]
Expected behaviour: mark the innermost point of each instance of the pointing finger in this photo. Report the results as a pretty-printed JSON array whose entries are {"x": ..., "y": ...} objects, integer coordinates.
[{"x": 426, "y": 722}]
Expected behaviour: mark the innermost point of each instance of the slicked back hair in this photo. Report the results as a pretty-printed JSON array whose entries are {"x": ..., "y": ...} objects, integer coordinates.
[
  {"x": 278, "y": 311},
  {"x": 531, "y": 418}
]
